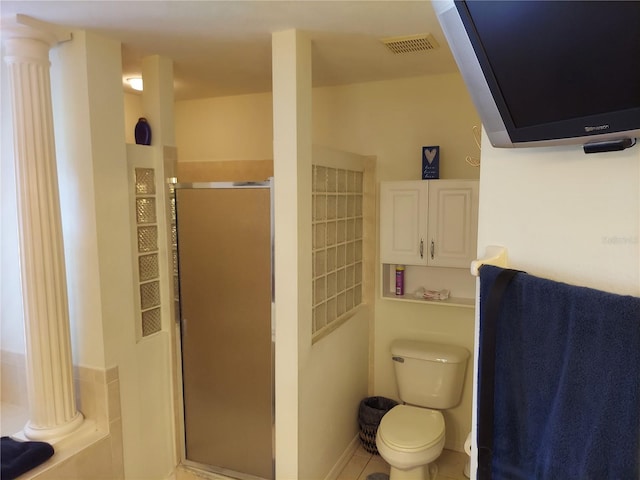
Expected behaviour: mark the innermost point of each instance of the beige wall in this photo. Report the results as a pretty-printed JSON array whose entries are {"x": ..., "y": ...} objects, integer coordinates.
[
  {"x": 394, "y": 119},
  {"x": 82, "y": 124},
  {"x": 390, "y": 119},
  {"x": 132, "y": 112},
  {"x": 225, "y": 128},
  {"x": 11, "y": 314}
]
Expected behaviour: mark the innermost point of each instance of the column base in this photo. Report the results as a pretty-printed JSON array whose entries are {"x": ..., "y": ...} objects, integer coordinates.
[{"x": 53, "y": 434}]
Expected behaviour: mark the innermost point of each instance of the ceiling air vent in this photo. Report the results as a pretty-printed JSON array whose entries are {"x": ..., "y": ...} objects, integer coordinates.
[{"x": 411, "y": 43}]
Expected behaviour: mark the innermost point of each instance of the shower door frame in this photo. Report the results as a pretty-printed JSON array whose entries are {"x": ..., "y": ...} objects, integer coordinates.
[{"x": 268, "y": 184}]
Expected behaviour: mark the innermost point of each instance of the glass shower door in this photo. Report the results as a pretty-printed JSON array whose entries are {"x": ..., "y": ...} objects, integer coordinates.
[{"x": 224, "y": 252}]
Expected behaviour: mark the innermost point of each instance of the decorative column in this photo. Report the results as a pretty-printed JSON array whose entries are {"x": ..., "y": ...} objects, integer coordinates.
[{"x": 52, "y": 406}]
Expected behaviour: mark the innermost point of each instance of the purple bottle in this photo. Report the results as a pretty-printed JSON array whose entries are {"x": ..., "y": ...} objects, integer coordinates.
[
  {"x": 399, "y": 279},
  {"x": 143, "y": 132}
]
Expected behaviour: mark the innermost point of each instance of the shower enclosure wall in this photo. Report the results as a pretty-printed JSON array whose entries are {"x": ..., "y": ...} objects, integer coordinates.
[{"x": 225, "y": 244}]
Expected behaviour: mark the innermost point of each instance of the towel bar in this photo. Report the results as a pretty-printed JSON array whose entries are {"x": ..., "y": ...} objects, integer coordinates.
[{"x": 493, "y": 255}]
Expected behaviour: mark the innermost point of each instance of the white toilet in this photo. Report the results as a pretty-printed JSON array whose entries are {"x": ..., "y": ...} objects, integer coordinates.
[{"x": 430, "y": 377}]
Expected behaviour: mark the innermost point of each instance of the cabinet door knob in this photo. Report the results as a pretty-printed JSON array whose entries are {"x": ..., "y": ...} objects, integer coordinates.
[
  {"x": 433, "y": 248},
  {"x": 421, "y": 248}
]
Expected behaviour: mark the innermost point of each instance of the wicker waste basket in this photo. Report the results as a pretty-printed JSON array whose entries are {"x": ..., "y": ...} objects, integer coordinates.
[{"x": 370, "y": 412}]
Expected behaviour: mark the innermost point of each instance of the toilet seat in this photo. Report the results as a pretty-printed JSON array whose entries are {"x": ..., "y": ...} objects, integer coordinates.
[{"x": 409, "y": 429}]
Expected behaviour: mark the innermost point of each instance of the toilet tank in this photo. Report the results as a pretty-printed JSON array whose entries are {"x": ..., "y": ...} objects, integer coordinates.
[{"x": 428, "y": 374}]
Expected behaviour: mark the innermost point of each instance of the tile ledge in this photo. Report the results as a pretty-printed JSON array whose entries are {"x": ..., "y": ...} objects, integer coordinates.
[{"x": 85, "y": 436}]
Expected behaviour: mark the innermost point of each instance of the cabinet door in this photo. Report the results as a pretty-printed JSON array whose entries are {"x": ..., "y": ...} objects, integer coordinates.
[
  {"x": 403, "y": 222},
  {"x": 453, "y": 223}
]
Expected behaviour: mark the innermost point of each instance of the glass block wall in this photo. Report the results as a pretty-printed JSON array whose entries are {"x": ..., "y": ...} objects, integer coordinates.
[
  {"x": 337, "y": 245},
  {"x": 174, "y": 250},
  {"x": 147, "y": 251}
]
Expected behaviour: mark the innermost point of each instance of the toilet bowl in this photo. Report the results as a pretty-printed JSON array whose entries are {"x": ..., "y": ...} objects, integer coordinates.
[
  {"x": 429, "y": 377},
  {"x": 409, "y": 439}
]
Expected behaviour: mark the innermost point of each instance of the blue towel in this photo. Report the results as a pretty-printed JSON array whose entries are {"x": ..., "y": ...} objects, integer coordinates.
[
  {"x": 17, "y": 457},
  {"x": 567, "y": 381}
]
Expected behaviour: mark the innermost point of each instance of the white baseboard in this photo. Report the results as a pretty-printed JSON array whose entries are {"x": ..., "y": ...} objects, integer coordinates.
[{"x": 344, "y": 459}]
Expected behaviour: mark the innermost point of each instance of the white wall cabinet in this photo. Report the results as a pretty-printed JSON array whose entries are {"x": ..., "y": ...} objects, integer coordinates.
[
  {"x": 429, "y": 222},
  {"x": 430, "y": 227}
]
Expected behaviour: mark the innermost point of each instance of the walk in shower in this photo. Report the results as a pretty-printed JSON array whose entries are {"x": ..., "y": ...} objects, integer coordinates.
[{"x": 225, "y": 245}]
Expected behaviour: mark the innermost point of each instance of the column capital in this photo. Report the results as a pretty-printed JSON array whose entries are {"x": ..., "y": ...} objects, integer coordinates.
[{"x": 19, "y": 26}]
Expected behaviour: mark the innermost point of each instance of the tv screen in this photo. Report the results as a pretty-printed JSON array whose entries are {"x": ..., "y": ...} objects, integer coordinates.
[{"x": 549, "y": 72}]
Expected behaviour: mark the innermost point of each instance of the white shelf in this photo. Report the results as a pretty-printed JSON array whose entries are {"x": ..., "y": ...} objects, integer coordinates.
[
  {"x": 458, "y": 281},
  {"x": 449, "y": 302}
]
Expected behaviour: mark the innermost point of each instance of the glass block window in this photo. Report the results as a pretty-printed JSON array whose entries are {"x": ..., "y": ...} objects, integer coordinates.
[
  {"x": 147, "y": 240},
  {"x": 145, "y": 181},
  {"x": 148, "y": 267},
  {"x": 151, "y": 321},
  {"x": 337, "y": 245},
  {"x": 146, "y": 210}
]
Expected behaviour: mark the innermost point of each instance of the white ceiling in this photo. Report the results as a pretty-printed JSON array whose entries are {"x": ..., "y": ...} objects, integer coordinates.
[{"x": 224, "y": 47}]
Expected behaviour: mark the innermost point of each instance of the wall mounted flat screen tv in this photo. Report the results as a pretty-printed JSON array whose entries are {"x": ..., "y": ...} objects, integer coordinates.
[{"x": 549, "y": 72}]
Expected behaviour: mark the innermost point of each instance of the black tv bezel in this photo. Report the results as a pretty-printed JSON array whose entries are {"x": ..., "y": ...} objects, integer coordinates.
[{"x": 619, "y": 124}]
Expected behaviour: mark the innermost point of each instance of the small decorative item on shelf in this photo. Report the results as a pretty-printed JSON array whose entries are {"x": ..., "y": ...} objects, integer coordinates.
[
  {"x": 143, "y": 132},
  {"x": 432, "y": 294},
  {"x": 431, "y": 163}
]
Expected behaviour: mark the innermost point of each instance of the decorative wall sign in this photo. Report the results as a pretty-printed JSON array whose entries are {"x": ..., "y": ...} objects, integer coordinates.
[{"x": 431, "y": 162}]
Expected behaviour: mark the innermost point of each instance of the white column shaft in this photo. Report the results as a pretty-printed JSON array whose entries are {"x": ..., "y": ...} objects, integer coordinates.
[{"x": 53, "y": 411}]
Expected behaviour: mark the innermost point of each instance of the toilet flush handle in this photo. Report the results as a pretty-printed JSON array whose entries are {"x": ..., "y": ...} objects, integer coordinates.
[{"x": 398, "y": 359}]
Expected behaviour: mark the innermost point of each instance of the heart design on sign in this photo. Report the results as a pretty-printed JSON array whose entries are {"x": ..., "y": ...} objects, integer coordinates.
[{"x": 430, "y": 154}]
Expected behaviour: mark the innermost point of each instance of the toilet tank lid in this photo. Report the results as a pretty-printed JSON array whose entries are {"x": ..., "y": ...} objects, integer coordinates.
[{"x": 435, "y": 352}]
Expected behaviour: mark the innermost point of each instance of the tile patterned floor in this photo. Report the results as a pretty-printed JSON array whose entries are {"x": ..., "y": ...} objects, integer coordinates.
[
  {"x": 450, "y": 465},
  {"x": 362, "y": 463}
]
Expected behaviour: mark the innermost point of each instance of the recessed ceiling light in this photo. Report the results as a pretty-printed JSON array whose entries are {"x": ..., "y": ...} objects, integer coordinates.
[{"x": 136, "y": 83}]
